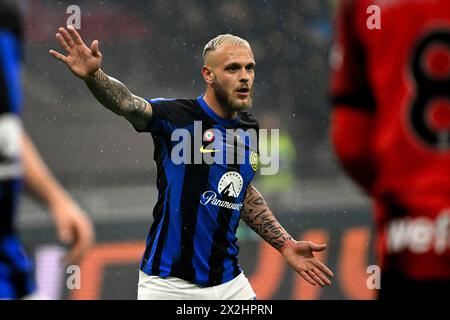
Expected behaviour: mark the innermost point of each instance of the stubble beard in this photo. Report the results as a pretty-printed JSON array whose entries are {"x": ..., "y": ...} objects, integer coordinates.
[{"x": 225, "y": 100}]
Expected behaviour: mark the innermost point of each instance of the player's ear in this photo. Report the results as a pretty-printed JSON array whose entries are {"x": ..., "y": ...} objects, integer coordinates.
[{"x": 207, "y": 74}]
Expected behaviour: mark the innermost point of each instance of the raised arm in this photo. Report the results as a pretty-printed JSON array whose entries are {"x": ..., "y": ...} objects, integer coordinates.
[
  {"x": 298, "y": 254},
  {"x": 85, "y": 63}
]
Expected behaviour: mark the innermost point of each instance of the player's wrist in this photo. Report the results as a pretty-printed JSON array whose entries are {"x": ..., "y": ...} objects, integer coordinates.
[
  {"x": 287, "y": 245},
  {"x": 92, "y": 76}
]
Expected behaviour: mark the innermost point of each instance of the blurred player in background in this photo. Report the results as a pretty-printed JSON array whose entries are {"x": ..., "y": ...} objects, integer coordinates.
[
  {"x": 192, "y": 250},
  {"x": 20, "y": 161},
  {"x": 391, "y": 131}
]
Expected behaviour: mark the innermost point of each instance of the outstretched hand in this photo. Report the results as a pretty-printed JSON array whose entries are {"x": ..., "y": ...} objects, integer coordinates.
[
  {"x": 299, "y": 255},
  {"x": 80, "y": 59}
]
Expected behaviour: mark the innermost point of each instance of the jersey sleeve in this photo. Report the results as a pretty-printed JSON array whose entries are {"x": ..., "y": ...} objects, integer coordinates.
[
  {"x": 167, "y": 114},
  {"x": 349, "y": 80}
]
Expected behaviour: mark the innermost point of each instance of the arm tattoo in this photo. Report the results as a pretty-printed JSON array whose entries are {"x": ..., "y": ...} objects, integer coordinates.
[
  {"x": 115, "y": 96},
  {"x": 258, "y": 216}
]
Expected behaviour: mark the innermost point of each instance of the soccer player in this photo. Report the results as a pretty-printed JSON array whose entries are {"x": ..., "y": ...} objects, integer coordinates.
[
  {"x": 191, "y": 250},
  {"x": 391, "y": 131},
  {"x": 19, "y": 160}
]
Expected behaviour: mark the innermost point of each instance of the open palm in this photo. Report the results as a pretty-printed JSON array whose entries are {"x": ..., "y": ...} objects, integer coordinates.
[
  {"x": 80, "y": 59},
  {"x": 299, "y": 255}
]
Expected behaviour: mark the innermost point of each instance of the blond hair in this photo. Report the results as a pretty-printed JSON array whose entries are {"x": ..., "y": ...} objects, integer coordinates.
[{"x": 224, "y": 39}]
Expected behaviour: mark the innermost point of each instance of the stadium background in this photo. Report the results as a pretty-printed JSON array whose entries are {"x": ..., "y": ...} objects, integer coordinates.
[{"x": 154, "y": 47}]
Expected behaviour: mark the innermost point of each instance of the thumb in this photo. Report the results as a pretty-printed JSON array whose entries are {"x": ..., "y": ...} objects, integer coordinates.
[
  {"x": 317, "y": 247},
  {"x": 94, "y": 48}
]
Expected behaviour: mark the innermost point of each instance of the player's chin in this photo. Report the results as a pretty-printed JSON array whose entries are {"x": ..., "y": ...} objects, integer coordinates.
[{"x": 242, "y": 104}]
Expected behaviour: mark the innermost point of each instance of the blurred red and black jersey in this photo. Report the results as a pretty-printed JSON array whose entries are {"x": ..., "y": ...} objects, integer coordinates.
[{"x": 400, "y": 75}]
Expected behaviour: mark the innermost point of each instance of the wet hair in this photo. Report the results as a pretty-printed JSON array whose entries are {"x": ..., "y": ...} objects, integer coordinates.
[{"x": 224, "y": 39}]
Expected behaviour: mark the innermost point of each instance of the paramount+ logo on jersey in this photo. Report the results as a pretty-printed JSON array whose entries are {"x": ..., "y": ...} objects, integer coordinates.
[{"x": 229, "y": 188}]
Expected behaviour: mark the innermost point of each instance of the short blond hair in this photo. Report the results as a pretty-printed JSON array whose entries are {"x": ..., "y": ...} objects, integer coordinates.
[{"x": 224, "y": 39}]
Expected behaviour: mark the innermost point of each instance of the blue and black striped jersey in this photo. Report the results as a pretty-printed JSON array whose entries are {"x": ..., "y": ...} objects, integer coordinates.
[{"x": 193, "y": 235}]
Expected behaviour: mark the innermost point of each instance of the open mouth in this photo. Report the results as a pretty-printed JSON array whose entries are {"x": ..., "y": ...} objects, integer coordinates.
[{"x": 243, "y": 91}]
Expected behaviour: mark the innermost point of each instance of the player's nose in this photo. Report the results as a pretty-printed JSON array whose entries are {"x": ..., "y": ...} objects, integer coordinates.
[{"x": 244, "y": 75}]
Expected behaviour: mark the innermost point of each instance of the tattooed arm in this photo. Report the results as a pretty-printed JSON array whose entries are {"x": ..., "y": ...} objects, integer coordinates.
[
  {"x": 298, "y": 254},
  {"x": 85, "y": 63},
  {"x": 258, "y": 216},
  {"x": 116, "y": 97}
]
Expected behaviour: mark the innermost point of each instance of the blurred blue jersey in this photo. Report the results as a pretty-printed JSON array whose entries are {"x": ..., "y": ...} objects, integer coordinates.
[{"x": 16, "y": 272}]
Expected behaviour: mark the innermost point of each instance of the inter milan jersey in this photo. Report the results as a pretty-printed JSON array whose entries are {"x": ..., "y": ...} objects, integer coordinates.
[
  {"x": 16, "y": 276},
  {"x": 204, "y": 166},
  {"x": 400, "y": 73}
]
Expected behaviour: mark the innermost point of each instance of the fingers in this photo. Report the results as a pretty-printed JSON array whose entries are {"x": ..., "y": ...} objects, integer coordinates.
[
  {"x": 94, "y": 48},
  {"x": 83, "y": 241},
  {"x": 307, "y": 278},
  {"x": 317, "y": 247},
  {"x": 75, "y": 254},
  {"x": 317, "y": 263},
  {"x": 75, "y": 35},
  {"x": 324, "y": 269},
  {"x": 321, "y": 276},
  {"x": 316, "y": 278},
  {"x": 58, "y": 56},
  {"x": 317, "y": 273},
  {"x": 67, "y": 37},
  {"x": 62, "y": 42}
]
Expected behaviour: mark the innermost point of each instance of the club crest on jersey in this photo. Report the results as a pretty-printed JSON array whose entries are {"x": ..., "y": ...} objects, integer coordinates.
[{"x": 254, "y": 160}]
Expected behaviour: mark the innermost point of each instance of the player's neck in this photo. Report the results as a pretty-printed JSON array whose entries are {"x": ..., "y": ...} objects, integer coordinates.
[{"x": 213, "y": 103}]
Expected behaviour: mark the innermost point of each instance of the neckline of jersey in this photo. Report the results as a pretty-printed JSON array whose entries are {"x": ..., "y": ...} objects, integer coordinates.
[{"x": 213, "y": 115}]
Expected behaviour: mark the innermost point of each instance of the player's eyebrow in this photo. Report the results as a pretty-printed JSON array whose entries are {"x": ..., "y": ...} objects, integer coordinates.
[
  {"x": 238, "y": 65},
  {"x": 232, "y": 65}
]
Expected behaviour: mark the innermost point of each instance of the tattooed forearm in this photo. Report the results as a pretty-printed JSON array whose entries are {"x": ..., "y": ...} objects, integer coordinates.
[
  {"x": 258, "y": 216},
  {"x": 109, "y": 92},
  {"x": 115, "y": 96}
]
